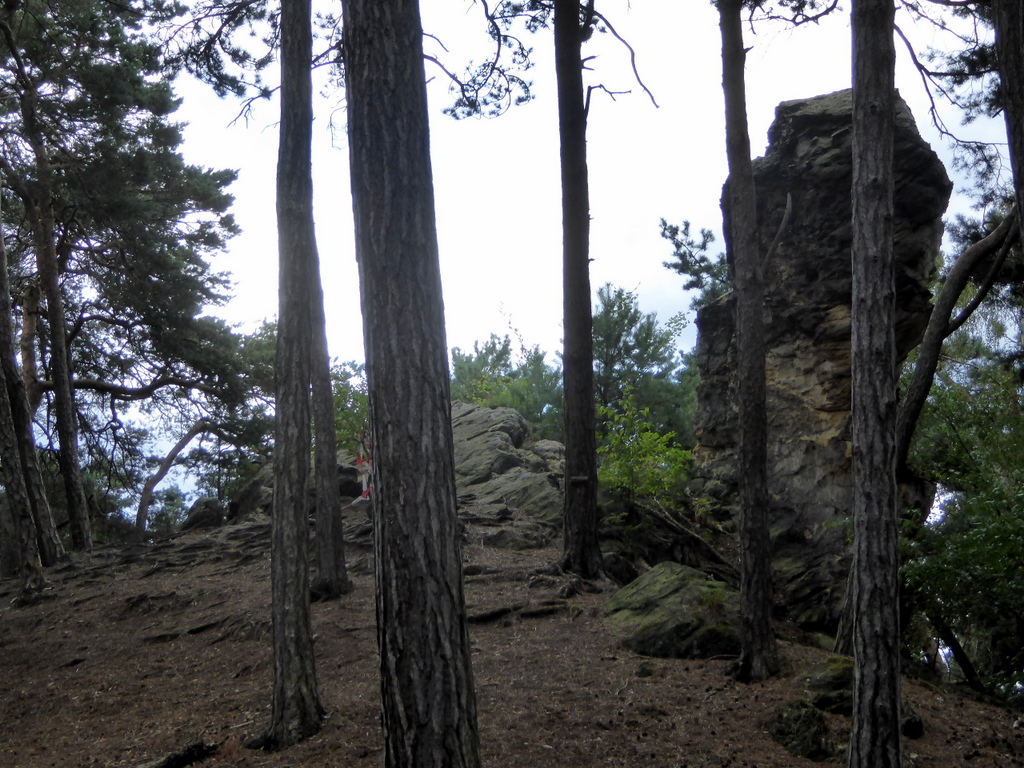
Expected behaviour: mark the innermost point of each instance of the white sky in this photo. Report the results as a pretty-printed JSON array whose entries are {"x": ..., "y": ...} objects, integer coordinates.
[{"x": 497, "y": 181}]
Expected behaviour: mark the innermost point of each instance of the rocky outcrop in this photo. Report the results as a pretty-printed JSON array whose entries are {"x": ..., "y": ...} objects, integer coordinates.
[
  {"x": 504, "y": 481},
  {"x": 807, "y": 324}
]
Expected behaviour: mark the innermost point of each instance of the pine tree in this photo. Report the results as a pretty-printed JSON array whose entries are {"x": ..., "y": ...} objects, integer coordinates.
[{"x": 428, "y": 700}]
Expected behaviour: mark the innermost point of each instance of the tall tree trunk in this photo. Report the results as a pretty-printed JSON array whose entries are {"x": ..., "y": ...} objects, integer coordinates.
[
  {"x": 331, "y": 576},
  {"x": 581, "y": 553},
  {"x": 60, "y": 372},
  {"x": 297, "y": 711},
  {"x": 759, "y": 658},
  {"x": 1008, "y": 20},
  {"x": 48, "y": 543},
  {"x": 21, "y": 552},
  {"x": 39, "y": 204},
  {"x": 875, "y": 736},
  {"x": 428, "y": 702},
  {"x": 28, "y": 339}
]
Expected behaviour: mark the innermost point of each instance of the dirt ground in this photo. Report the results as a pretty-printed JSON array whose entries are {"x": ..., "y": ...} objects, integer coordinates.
[{"x": 137, "y": 653}]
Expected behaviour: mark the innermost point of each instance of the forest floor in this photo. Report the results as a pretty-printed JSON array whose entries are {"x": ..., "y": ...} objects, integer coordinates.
[{"x": 137, "y": 653}]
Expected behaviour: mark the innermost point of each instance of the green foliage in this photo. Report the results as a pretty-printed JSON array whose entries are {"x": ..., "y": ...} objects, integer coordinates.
[
  {"x": 634, "y": 353},
  {"x": 88, "y": 128},
  {"x": 966, "y": 562},
  {"x": 351, "y": 404},
  {"x": 710, "y": 277},
  {"x": 489, "y": 376},
  {"x": 635, "y": 461},
  {"x": 167, "y": 512}
]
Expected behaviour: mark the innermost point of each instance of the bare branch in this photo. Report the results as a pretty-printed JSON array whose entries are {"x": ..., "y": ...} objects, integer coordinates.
[{"x": 632, "y": 53}]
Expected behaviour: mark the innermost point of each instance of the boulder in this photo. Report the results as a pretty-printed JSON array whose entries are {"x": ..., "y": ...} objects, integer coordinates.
[
  {"x": 831, "y": 686},
  {"x": 800, "y": 727},
  {"x": 206, "y": 512},
  {"x": 807, "y": 330},
  {"x": 502, "y": 480},
  {"x": 674, "y": 611}
]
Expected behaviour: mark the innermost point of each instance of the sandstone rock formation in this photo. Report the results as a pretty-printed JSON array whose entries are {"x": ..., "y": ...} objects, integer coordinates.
[
  {"x": 807, "y": 322},
  {"x": 503, "y": 481}
]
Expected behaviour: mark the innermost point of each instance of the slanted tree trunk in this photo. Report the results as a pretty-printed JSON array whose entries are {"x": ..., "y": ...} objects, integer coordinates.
[
  {"x": 142, "y": 513},
  {"x": 297, "y": 712},
  {"x": 1008, "y": 20},
  {"x": 581, "y": 553},
  {"x": 331, "y": 576},
  {"x": 875, "y": 736},
  {"x": 759, "y": 657},
  {"x": 428, "y": 703},
  {"x": 939, "y": 328}
]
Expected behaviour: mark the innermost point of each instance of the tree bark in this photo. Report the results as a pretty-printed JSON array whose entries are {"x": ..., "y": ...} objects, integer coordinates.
[
  {"x": 297, "y": 712},
  {"x": 331, "y": 576},
  {"x": 875, "y": 736},
  {"x": 759, "y": 656},
  {"x": 21, "y": 551},
  {"x": 938, "y": 330},
  {"x": 39, "y": 205},
  {"x": 60, "y": 366},
  {"x": 19, "y": 429},
  {"x": 581, "y": 553},
  {"x": 428, "y": 701},
  {"x": 1008, "y": 20}
]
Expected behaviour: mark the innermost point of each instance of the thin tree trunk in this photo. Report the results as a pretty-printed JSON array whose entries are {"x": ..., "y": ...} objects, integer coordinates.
[
  {"x": 938, "y": 330},
  {"x": 581, "y": 552},
  {"x": 60, "y": 369},
  {"x": 951, "y": 641},
  {"x": 142, "y": 513},
  {"x": 428, "y": 701},
  {"x": 875, "y": 736},
  {"x": 28, "y": 339},
  {"x": 759, "y": 657},
  {"x": 297, "y": 712},
  {"x": 39, "y": 204},
  {"x": 331, "y": 576}
]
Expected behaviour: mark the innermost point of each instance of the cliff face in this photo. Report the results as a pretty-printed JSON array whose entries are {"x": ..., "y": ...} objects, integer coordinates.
[{"x": 807, "y": 322}]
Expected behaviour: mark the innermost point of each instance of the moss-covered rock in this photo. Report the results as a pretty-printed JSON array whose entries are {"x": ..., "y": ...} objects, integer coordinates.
[
  {"x": 800, "y": 727},
  {"x": 674, "y": 611},
  {"x": 831, "y": 682}
]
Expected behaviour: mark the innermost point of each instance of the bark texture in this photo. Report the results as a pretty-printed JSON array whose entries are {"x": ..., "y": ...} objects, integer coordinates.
[
  {"x": 759, "y": 657},
  {"x": 38, "y": 199},
  {"x": 428, "y": 702},
  {"x": 582, "y": 554},
  {"x": 17, "y": 428},
  {"x": 1008, "y": 19},
  {"x": 60, "y": 367},
  {"x": 331, "y": 575},
  {"x": 297, "y": 712},
  {"x": 875, "y": 736}
]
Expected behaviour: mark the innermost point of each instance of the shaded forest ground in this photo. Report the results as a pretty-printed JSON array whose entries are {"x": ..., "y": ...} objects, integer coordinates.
[{"x": 138, "y": 652}]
